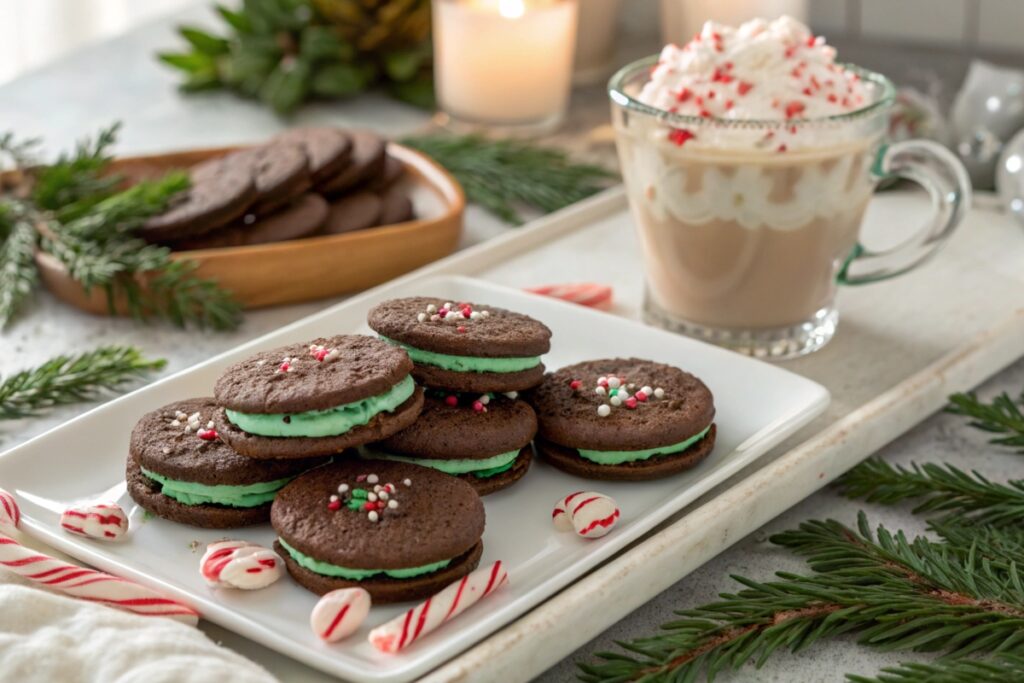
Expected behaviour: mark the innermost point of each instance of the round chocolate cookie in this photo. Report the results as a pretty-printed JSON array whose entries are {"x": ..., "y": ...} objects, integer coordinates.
[
  {"x": 466, "y": 347},
  {"x": 397, "y": 207},
  {"x": 328, "y": 149},
  {"x": 482, "y": 439},
  {"x": 301, "y": 218},
  {"x": 221, "y": 191},
  {"x": 179, "y": 469},
  {"x": 281, "y": 170},
  {"x": 389, "y": 175},
  {"x": 398, "y": 530},
  {"x": 355, "y": 212},
  {"x": 369, "y": 151},
  {"x": 316, "y": 399},
  {"x": 623, "y": 418}
]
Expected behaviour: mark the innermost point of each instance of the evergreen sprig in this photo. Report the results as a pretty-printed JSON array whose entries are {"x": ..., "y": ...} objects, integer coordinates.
[
  {"x": 1001, "y": 668},
  {"x": 944, "y": 489},
  {"x": 18, "y": 276},
  {"x": 1000, "y": 416},
  {"x": 71, "y": 379},
  {"x": 506, "y": 175},
  {"x": 896, "y": 594}
]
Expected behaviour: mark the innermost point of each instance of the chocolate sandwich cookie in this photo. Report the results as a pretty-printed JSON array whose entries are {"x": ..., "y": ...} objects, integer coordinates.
[
  {"x": 179, "y": 469},
  {"x": 396, "y": 207},
  {"x": 317, "y": 399},
  {"x": 327, "y": 149},
  {"x": 483, "y": 439},
  {"x": 393, "y": 170},
  {"x": 624, "y": 419},
  {"x": 281, "y": 170},
  {"x": 356, "y": 211},
  {"x": 221, "y": 190},
  {"x": 366, "y": 162},
  {"x": 400, "y": 531},
  {"x": 464, "y": 347}
]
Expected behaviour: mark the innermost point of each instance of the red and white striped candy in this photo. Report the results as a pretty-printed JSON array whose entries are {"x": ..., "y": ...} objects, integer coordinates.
[
  {"x": 79, "y": 582},
  {"x": 589, "y": 513},
  {"x": 240, "y": 564},
  {"x": 105, "y": 521},
  {"x": 340, "y": 613},
  {"x": 404, "y": 630},
  {"x": 589, "y": 294}
]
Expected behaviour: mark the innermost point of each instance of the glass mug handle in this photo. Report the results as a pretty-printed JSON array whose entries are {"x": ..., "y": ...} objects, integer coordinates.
[{"x": 938, "y": 171}]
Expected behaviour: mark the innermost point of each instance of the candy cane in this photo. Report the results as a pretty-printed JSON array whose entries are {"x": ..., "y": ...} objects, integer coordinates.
[
  {"x": 404, "y": 630},
  {"x": 588, "y": 294},
  {"x": 79, "y": 582},
  {"x": 103, "y": 521},
  {"x": 240, "y": 564}
]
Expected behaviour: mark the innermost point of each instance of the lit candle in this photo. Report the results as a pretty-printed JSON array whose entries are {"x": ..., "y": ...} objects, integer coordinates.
[{"x": 504, "y": 62}]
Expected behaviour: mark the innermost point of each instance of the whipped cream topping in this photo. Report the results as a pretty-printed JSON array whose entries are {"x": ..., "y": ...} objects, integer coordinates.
[{"x": 761, "y": 70}]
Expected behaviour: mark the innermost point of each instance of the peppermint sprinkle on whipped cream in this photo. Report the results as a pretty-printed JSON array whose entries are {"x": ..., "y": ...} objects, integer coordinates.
[{"x": 762, "y": 70}]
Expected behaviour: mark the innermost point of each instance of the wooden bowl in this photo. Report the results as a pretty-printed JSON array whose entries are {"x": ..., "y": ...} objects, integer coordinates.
[{"x": 304, "y": 269}]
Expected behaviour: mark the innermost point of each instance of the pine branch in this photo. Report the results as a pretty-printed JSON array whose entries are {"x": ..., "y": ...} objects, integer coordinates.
[
  {"x": 945, "y": 489},
  {"x": 896, "y": 594},
  {"x": 77, "y": 181},
  {"x": 1002, "y": 416},
  {"x": 999, "y": 669},
  {"x": 18, "y": 275},
  {"x": 71, "y": 379},
  {"x": 505, "y": 175}
]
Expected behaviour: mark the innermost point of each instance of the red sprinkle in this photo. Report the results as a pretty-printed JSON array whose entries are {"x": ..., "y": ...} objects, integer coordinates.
[
  {"x": 782, "y": 148},
  {"x": 680, "y": 137},
  {"x": 452, "y": 400},
  {"x": 466, "y": 312},
  {"x": 207, "y": 434},
  {"x": 361, "y": 478},
  {"x": 794, "y": 108},
  {"x": 575, "y": 384},
  {"x": 640, "y": 396},
  {"x": 684, "y": 95},
  {"x": 743, "y": 87},
  {"x": 478, "y": 406},
  {"x": 441, "y": 312},
  {"x": 832, "y": 98},
  {"x": 284, "y": 367},
  {"x": 369, "y": 506},
  {"x": 631, "y": 403},
  {"x": 461, "y": 328},
  {"x": 334, "y": 505},
  {"x": 705, "y": 113},
  {"x": 811, "y": 40}
]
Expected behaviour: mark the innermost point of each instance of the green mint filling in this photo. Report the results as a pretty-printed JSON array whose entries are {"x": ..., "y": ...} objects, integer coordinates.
[
  {"x": 328, "y": 569},
  {"x": 329, "y": 422},
  {"x": 243, "y": 496},
  {"x": 483, "y": 467},
  {"x": 467, "y": 363},
  {"x": 619, "y": 457}
]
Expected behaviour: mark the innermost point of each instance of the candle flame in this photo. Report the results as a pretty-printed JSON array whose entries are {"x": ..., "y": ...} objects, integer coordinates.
[{"x": 511, "y": 9}]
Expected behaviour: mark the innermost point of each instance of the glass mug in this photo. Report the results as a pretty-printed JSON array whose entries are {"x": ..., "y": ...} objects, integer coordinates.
[{"x": 745, "y": 242}]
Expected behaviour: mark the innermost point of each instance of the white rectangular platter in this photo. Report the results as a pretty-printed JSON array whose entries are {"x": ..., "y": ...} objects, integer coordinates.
[{"x": 758, "y": 405}]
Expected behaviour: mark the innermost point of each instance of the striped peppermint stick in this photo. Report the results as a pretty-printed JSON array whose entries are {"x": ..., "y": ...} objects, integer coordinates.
[
  {"x": 588, "y": 294},
  {"x": 79, "y": 582},
  {"x": 404, "y": 630}
]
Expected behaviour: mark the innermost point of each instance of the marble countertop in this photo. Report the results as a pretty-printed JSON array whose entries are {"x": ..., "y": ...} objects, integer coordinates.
[{"x": 119, "y": 80}]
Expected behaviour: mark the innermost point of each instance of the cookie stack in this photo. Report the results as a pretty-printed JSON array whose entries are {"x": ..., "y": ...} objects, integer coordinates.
[
  {"x": 304, "y": 182},
  {"x": 473, "y": 361}
]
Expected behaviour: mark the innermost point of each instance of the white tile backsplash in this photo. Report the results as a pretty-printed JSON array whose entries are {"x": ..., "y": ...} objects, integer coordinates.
[
  {"x": 1001, "y": 24},
  {"x": 931, "y": 21},
  {"x": 828, "y": 16}
]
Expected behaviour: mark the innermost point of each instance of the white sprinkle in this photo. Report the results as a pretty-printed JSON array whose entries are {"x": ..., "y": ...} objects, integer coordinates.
[
  {"x": 194, "y": 415},
  {"x": 431, "y": 308},
  {"x": 383, "y": 495},
  {"x": 180, "y": 415},
  {"x": 474, "y": 315},
  {"x": 188, "y": 429},
  {"x": 175, "y": 423},
  {"x": 602, "y": 380},
  {"x": 485, "y": 314},
  {"x": 615, "y": 400},
  {"x": 434, "y": 318},
  {"x": 614, "y": 382},
  {"x": 631, "y": 386},
  {"x": 372, "y": 497},
  {"x": 260, "y": 363},
  {"x": 165, "y": 450},
  {"x": 600, "y": 391},
  {"x": 342, "y": 488},
  {"x": 334, "y": 498},
  {"x": 647, "y": 390},
  {"x": 447, "y": 306},
  {"x": 392, "y": 504},
  {"x": 659, "y": 393},
  {"x": 407, "y": 482},
  {"x": 485, "y": 399},
  {"x": 372, "y": 479},
  {"x": 373, "y": 516},
  {"x": 377, "y": 488},
  {"x": 512, "y": 395},
  {"x": 209, "y": 425},
  {"x": 422, "y": 317},
  {"x": 332, "y": 354},
  {"x": 604, "y": 410}
]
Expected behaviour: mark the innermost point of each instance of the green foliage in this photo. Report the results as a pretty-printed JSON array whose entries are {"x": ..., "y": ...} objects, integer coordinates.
[
  {"x": 71, "y": 379},
  {"x": 998, "y": 669},
  {"x": 1002, "y": 416},
  {"x": 285, "y": 52},
  {"x": 18, "y": 274},
  {"x": 505, "y": 175},
  {"x": 78, "y": 180}
]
